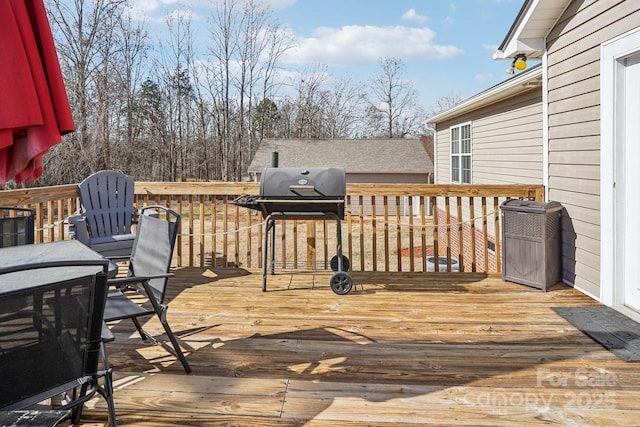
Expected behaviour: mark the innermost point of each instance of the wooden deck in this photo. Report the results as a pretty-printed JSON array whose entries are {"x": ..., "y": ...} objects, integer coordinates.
[{"x": 400, "y": 349}]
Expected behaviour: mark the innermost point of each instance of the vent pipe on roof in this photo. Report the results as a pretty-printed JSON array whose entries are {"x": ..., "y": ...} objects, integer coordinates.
[{"x": 274, "y": 159}]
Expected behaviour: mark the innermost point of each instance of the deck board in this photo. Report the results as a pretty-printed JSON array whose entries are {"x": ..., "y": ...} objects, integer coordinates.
[{"x": 400, "y": 349}]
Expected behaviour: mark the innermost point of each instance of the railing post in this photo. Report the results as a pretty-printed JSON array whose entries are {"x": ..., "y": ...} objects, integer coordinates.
[{"x": 311, "y": 244}]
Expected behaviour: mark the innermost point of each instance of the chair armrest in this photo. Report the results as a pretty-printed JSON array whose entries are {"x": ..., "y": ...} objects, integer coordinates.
[
  {"x": 78, "y": 228},
  {"x": 119, "y": 281},
  {"x": 152, "y": 210},
  {"x": 116, "y": 259},
  {"x": 107, "y": 335}
]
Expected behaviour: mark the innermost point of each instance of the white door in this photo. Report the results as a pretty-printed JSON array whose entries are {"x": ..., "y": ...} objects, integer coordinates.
[{"x": 629, "y": 172}]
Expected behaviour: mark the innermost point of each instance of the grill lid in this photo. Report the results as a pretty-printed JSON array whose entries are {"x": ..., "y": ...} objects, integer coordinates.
[
  {"x": 299, "y": 192},
  {"x": 301, "y": 183}
]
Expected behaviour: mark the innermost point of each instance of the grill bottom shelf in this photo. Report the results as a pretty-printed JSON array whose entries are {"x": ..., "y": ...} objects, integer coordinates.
[{"x": 341, "y": 282}]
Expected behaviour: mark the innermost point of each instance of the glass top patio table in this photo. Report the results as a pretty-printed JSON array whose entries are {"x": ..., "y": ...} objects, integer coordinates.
[{"x": 47, "y": 263}]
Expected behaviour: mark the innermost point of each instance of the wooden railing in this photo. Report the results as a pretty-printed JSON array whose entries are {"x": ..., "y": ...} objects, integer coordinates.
[{"x": 387, "y": 227}]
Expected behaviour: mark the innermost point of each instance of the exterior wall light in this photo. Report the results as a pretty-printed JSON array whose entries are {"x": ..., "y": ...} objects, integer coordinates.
[{"x": 519, "y": 63}]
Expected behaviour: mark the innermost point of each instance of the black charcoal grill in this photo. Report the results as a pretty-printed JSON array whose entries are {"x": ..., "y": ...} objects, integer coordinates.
[{"x": 299, "y": 193}]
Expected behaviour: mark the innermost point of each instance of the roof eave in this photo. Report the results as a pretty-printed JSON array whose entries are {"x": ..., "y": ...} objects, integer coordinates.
[
  {"x": 529, "y": 31},
  {"x": 504, "y": 90}
]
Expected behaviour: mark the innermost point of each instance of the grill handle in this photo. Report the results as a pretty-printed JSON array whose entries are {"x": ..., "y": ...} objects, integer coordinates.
[{"x": 302, "y": 187}]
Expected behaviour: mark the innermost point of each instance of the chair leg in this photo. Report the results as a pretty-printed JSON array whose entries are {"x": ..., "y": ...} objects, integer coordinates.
[
  {"x": 88, "y": 390},
  {"x": 176, "y": 346},
  {"x": 108, "y": 384},
  {"x": 76, "y": 412},
  {"x": 176, "y": 350},
  {"x": 107, "y": 393},
  {"x": 145, "y": 336}
]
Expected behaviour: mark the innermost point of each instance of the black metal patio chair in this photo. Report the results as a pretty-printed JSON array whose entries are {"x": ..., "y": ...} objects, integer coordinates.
[
  {"x": 148, "y": 276},
  {"x": 16, "y": 226},
  {"x": 50, "y": 334}
]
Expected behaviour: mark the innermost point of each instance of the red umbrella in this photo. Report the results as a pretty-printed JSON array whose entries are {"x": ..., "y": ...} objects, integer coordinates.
[{"x": 34, "y": 108}]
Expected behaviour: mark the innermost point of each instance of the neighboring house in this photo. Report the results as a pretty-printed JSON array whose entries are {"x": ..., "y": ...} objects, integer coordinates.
[
  {"x": 494, "y": 137},
  {"x": 590, "y": 53},
  {"x": 365, "y": 160}
]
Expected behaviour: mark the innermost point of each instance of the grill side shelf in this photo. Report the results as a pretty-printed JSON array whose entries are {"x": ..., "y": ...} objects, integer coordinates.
[{"x": 299, "y": 201}]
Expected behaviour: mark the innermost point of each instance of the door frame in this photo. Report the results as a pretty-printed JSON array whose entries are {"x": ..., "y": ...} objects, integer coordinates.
[{"x": 613, "y": 54}]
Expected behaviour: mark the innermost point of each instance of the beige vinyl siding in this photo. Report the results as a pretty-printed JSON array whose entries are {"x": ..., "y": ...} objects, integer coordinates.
[
  {"x": 506, "y": 141},
  {"x": 442, "y": 156},
  {"x": 506, "y": 145},
  {"x": 573, "y": 48}
]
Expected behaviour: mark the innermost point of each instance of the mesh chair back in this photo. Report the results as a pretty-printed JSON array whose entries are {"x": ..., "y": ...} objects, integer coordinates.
[
  {"x": 16, "y": 226},
  {"x": 153, "y": 248},
  {"x": 49, "y": 332}
]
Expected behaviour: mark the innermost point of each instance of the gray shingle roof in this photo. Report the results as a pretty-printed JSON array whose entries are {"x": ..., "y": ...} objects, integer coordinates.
[{"x": 355, "y": 155}]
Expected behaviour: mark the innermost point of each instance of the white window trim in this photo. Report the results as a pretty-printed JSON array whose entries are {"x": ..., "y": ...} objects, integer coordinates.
[{"x": 459, "y": 126}]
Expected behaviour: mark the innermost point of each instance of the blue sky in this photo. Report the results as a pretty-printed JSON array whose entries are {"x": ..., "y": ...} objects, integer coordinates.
[{"x": 447, "y": 46}]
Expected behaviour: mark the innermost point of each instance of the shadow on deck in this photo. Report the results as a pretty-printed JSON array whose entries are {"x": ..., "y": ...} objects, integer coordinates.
[{"x": 401, "y": 348}]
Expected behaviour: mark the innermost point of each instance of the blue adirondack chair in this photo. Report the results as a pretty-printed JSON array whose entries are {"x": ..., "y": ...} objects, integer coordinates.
[{"x": 104, "y": 224}]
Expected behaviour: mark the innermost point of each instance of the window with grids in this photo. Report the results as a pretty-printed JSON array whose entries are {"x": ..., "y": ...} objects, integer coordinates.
[{"x": 461, "y": 154}]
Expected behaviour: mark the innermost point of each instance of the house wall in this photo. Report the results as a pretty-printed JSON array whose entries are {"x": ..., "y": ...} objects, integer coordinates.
[
  {"x": 506, "y": 149},
  {"x": 506, "y": 141},
  {"x": 573, "y": 59}
]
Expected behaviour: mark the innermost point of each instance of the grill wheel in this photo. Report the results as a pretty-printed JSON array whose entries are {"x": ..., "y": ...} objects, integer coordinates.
[{"x": 341, "y": 283}]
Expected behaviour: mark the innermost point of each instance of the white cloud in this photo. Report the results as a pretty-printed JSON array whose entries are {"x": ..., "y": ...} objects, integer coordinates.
[
  {"x": 160, "y": 12},
  {"x": 184, "y": 15},
  {"x": 490, "y": 47},
  {"x": 141, "y": 9},
  {"x": 448, "y": 20},
  {"x": 273, "y": 4},
  {"x": 354, "y": 45},
  {"x": 149, "y": 9},
  {"x": 412, "y": 15},
  {"x": 280, "y": 4}
]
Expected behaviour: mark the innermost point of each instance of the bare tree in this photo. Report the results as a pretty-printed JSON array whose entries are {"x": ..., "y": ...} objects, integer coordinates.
[
  {"x": 185, "y": 116},
  {"x": 341, "y": 105},
  {"x": 394, "y": 100},
  {"x": 444, "y": 103},
  {"x": 100, "y": 54},
  {"x": 277, "y": 43},
  {"x": 309, "y": 87},
  {"x": 177, "y": 77},
  {"x": 250, "y": 48},
  {"x": 246, "y": 44},
  {"x": 128, "y": 79},
  {"x": 224, "y": 34}
]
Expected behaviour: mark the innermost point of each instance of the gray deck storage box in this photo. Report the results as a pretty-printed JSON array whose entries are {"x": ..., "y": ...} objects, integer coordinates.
[{"x": 531, "y": 243}]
